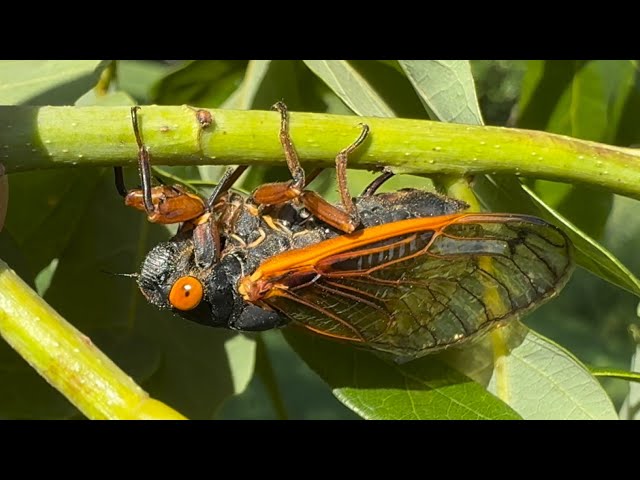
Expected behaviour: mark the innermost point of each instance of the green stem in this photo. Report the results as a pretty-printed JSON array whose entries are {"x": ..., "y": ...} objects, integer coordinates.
[
  {"x": 67, "y": 359},
  {"x": 54, "y": 137},
  {"x": 615, "y": 373},
  {"x": 459, "y": 188}
]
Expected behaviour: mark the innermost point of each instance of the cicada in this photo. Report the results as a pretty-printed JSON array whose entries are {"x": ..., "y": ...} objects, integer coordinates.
[{"x": 407, "y": 273}]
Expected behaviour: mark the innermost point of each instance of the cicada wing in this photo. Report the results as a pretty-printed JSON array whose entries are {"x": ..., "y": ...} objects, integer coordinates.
[{"x": 420, "y": 292}]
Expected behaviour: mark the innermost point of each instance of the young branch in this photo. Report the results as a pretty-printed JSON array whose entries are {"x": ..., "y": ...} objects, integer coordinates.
[
  {"x": 56, "y": 137},
  {"x": 67, "y": 359}
]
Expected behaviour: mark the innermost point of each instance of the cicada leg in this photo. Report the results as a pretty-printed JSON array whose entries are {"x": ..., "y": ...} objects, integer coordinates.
[
  {"x": 229, "y": 177},
  {"x": 377, "y": 182},
  {"x": 162, "y": 204},
  {"x": 346, "y": 219}
]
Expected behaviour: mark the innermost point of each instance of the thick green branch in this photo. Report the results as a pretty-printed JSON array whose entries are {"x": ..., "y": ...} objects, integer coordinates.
[
  {"x": 50, "y": 137},
  {"x": 67, "y": 359}
]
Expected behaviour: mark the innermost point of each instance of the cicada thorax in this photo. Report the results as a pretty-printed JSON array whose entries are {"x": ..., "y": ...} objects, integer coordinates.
[{"x": 262, "y": 232}]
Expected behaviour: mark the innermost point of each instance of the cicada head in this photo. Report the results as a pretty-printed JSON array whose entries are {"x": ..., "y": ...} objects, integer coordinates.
[{"x": 171, "y": 278}]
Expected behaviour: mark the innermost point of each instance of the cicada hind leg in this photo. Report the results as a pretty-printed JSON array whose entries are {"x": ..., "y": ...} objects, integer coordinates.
[{"x": 345, "y": 219}]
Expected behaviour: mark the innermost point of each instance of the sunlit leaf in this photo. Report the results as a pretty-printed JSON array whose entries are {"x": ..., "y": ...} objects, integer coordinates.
[
  {"x": 350, "y": 86},
  {"x": 46, "y": 82},
  {"x": 446, "y": 89},
  {"x": 376, "y": 389},
  {"x": 501, "y": 194},
  {"x": 136, "y": 77},
  {"x": 202, "y": 83},
  {"x": 537, "y": 378},
  {"x": 583, "y": 99},
  {"x": 242, "y": 98}
]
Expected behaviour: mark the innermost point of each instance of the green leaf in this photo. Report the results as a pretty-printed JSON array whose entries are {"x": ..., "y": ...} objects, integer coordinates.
[
  {"x": 498, "y": 88},
  {"x": 377, "y": 389},
  {"x": 241, "y": 352},
  {"x": 203, "y": 83},
  {"x": 111, "y": 99},
  {"x": 446, "y": 89},
  {"x": 585, "y": 206},
  {"x": 564, "y": 388},
  {"x": 137, "y": 77},
  {"x": 392, "y": 86},
  {"x": 284, "y": 386},
  {"x": 245, "y": 94},
  {"x": 540, "y": 380},
  {"x": 584, "y": 99},
  {"x": 284, "y": 80},
  {"x": 266, "y": 373},
  {"x": 46, "y": 82},
  {"x": 500, "y": 193},
  {"x": 350, "y": 87},
  {"x": 46, "y": 210},
  {"x": 629, "y": 107},
  {"x": 15, "y": 258},
  {"x": 589, "y": 253}
]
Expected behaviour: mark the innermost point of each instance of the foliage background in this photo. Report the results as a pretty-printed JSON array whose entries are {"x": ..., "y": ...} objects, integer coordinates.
[{"x": 596, "y": 100}]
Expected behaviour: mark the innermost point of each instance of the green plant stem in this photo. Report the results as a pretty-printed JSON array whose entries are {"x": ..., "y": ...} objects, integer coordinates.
[
  {"x": 55, "y": 137},
  {"x": 67, "y": 359},
  {"x": 615, "y": 373}
]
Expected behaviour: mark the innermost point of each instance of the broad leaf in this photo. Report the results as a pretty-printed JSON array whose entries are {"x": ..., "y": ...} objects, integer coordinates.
[
  {"x": 202, "y": 83},
  {"x": 590, "y": 254},
  {"x": 243, "y": 97},
  {"x": 536, "y": 377},
  {"x": 378, "y": 389},
  {"x": 446, "y": 89},
  {"x": 46, "y": 82},
  {"x": 350, "y": 86},
  {"x": 583, "y": 99},
  {"x": 111, "y": 99},
  {"x": 564, "y": 388},
  {"x": 137, "y": 77},
  {"x": 506, "y": 193}
]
